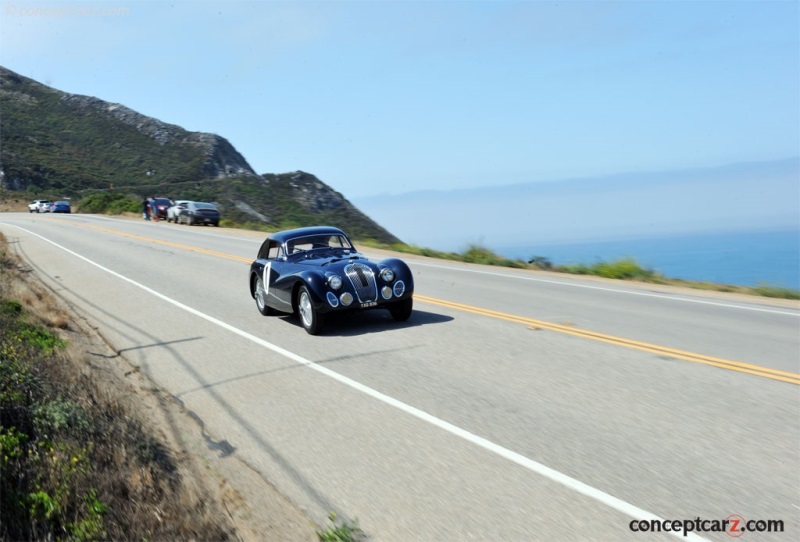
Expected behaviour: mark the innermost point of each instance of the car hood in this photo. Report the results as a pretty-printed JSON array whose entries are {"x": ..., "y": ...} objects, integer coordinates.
[{"x": 331, "y": 263}]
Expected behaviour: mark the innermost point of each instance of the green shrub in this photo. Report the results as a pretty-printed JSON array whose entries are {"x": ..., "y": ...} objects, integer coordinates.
[
  {"x": 108, "y": 203},
  {"x": 767, "y": 290},
  {"x": 341, "y": 531},
  {"x": 39, "y": 338},
  {"x": 624, "y": 269},
  {"x": 44, "y": 455}
]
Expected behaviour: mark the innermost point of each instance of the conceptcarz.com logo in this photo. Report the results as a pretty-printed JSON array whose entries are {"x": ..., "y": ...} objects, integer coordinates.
[{"x": 734, "y": 525}]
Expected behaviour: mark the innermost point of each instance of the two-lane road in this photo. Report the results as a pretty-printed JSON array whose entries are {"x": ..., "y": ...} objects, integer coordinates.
[{"x": 513, "y": 405}]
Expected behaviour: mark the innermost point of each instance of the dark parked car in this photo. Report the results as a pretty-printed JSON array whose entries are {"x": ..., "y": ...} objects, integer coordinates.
[
  {"x": 162, "y": 205},
  {"x": 198, "y": 212},
  {"x": 315, "y": 271},
  {"x": 61, "y": 207}
]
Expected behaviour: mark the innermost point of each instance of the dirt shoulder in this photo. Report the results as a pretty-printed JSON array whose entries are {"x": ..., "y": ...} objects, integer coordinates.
[{"x": 206, "y": 487}]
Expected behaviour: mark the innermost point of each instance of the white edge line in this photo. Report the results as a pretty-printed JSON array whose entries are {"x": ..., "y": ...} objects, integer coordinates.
[
  {"x": 533, "y": 466},
  {"x": 574, "y": 285}
]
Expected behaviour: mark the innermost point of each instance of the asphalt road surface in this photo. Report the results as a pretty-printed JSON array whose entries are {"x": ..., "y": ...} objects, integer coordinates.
[{"x": 513, "y": 405}]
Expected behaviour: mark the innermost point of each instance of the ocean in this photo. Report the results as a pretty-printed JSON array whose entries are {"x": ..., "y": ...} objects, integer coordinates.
[{"x": 741, "y": 259}]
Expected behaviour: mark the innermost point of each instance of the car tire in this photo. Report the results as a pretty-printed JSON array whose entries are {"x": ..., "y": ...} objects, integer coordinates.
[
  {"x": 309, "y": 317},
  {"x": 401, "y": 310},
  {"x": 261, "y": 299}
]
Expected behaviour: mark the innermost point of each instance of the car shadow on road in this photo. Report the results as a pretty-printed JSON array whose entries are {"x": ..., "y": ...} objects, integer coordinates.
[{"x": 351, "y": 324}]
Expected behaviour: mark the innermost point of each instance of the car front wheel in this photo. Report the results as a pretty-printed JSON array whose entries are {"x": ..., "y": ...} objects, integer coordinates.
[
  {"x": 261, "y": 299},
  {"x": 309, "y": 317},
  {"x": 401, "y": 310}
]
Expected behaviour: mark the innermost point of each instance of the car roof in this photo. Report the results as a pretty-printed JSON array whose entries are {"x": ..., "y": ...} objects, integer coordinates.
[{"x": 285, "y": 235}]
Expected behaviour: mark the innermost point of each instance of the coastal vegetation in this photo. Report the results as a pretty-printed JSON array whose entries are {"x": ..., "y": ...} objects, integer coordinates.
[
  {"x": 76, "y": 463},
  {"x": 621, "y": 269}
]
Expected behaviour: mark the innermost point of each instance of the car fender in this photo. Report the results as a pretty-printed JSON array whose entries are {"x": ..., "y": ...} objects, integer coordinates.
[
  {"x": 315, "y": 281},
  {"x": 401, "y": 272}
]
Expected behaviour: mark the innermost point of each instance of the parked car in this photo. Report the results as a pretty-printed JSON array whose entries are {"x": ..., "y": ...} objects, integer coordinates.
[
  {"x": 37, "y": 206},
  {"x": 315, "y": 271},
  {"x": 199, "y": 212},
  {"x": 162, "y": 205},
  {"x": 61, "y": 207},
  {"x": 174, "y": 212}
]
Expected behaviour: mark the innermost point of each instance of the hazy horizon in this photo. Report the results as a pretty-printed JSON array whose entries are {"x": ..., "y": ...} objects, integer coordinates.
[{"x": 634, "y": 205}]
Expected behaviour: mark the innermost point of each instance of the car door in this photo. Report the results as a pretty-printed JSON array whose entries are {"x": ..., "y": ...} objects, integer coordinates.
[{"x": 274, "y": 264}]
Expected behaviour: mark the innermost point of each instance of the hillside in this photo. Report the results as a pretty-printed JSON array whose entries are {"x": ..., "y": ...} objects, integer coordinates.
[
  {"x": 55, "y": 140},
  {"x": 55, "y": 144}
]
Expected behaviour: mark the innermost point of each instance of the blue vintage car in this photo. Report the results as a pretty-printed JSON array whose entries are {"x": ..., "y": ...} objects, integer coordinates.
[{"x": 315, "y": 271}]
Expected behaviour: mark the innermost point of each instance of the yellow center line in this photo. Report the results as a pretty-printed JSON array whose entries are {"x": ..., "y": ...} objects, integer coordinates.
[
  {"x": 766, "y": 372},
  {"x": 161, "y": 242}
]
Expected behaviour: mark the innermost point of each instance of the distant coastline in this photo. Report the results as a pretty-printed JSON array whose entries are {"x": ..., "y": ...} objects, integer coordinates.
[{"x": 747, "y": 258}]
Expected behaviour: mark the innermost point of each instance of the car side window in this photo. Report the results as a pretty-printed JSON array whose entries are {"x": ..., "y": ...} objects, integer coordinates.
[
  {"x": 281, "y": 252},
  {"x": 262, "y": 252},
  {"x": 269, "y": 250}
]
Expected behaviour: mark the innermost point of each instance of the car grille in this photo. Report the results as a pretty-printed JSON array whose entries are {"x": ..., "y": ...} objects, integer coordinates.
[{"x": 363, "y": 280}]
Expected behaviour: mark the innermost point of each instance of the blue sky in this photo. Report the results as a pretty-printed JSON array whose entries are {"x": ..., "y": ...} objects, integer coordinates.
[{"x": 397, "y": 96}]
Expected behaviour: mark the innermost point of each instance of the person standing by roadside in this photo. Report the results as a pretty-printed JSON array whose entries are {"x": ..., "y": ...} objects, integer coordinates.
[
  {"x": 154, "y": 209},
  {"x": 146, "y": 208}
]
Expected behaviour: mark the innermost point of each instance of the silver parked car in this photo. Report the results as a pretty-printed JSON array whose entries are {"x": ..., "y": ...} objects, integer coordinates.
[
  {"x": 39, "y": 206},
  {"x": 175, "y": 210}
]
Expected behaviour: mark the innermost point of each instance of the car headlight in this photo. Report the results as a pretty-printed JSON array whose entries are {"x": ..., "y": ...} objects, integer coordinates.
[
  {"x": 335, "y": 282},
  {"x": 387, "y": 274}
]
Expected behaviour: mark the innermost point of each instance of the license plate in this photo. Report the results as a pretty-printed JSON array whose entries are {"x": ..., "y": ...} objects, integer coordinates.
[{"x": 370, "y": 304}]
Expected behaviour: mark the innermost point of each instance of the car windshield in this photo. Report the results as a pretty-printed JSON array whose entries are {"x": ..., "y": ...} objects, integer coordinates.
[
  {"x": 205, "y": 206},
  {"x": 163, "y": 201},
  {"x": 317, "y": 242},
  {"x": 61, "y": 203}
]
